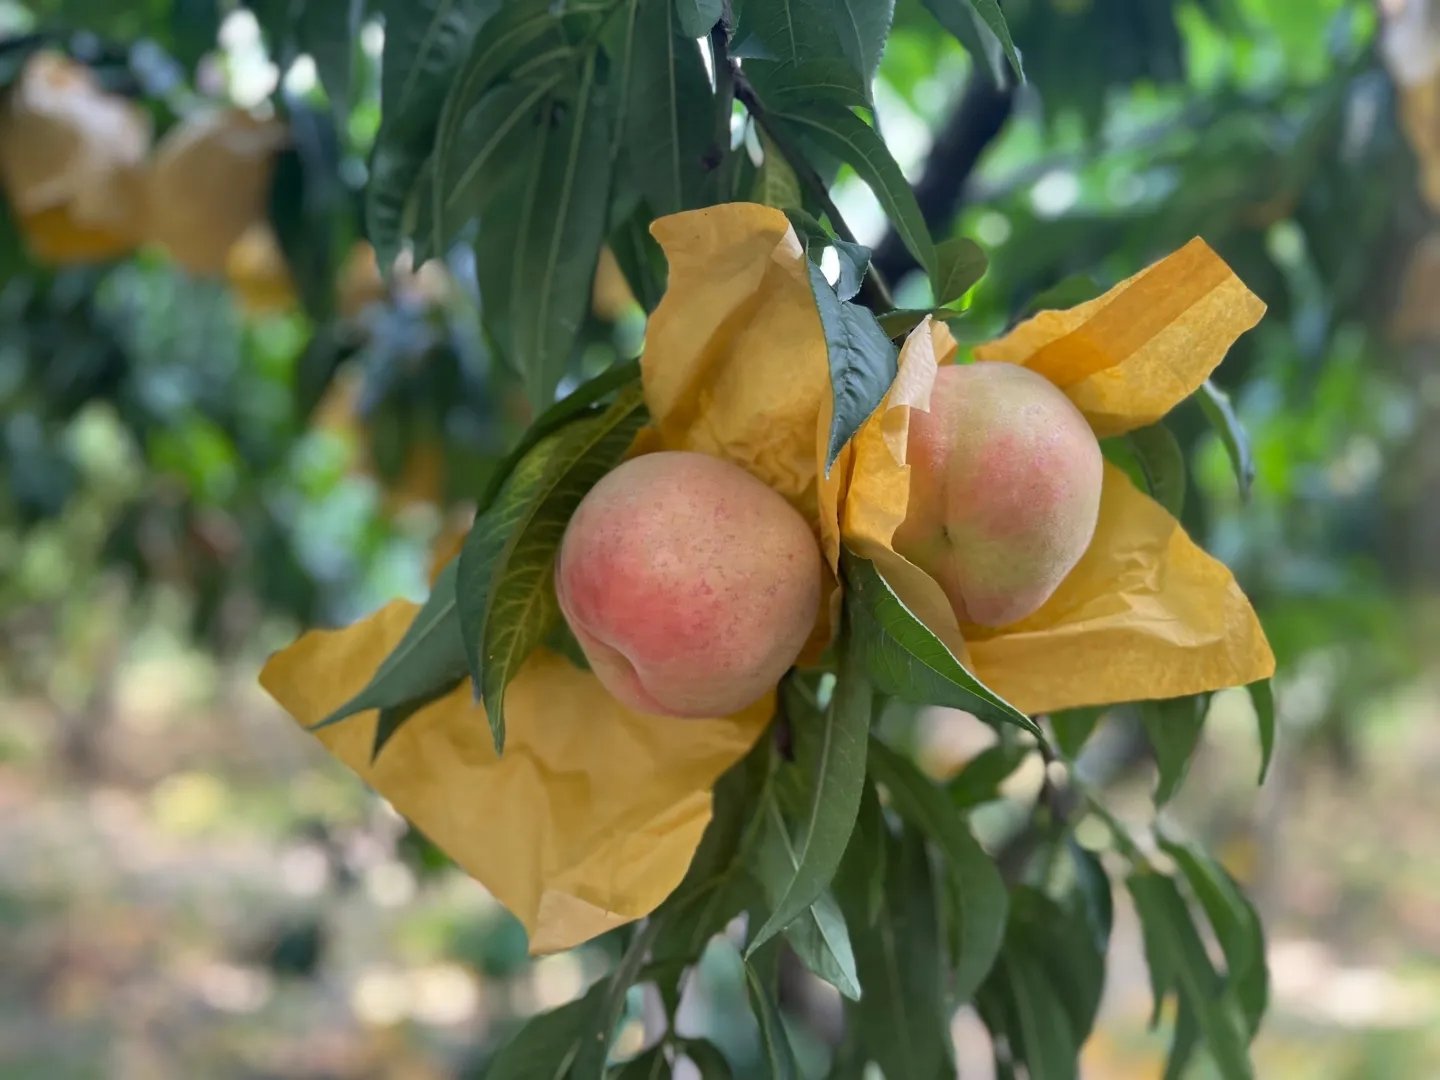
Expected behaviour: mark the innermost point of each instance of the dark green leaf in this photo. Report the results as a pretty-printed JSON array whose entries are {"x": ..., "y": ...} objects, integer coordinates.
[
  {"x": 327, "y": 30},
  {"x": 854, "y": 262},
  {"x": 897, "y": 324},
  {"x": 696, "y": 17},
  {"x": 804, "y": 31},
  {"x": 430, "y": 656},
  {"x": 1262, "y": 696},
  {"x": 520, "y": 600},
  {"x": 839, "y": 132},
  {"x": 1092, "y": 889},
  {"x": 1066, "y": 293},
  {"x": 424, "y": 41},
  {"x": 776, "y": 183},
  {"x": 902, "y": 1024},
  {"x": 1073, "y": 728},
  {"x": 960, "y": 263},
  {"x": 990, "y": 13},
  {"x": 568, "y": 409},
  {"x": 862, "y": 362},
  {"x": 1042, "y": 1037},
  {"x": 1182, "y": 1043},
  {"x": 669, "y": 111},
  {"x": 905, "y": 659},
  {"x": 960, "y": 19},
  {"x": 797, "y": 86},
  {"x": 819, "y": 936},
  {"x": 706, "y": 1057},
  {"x": 393, "y": 716},
  {"x": 1174, "y": 730},
  {"x": 776, "y": 1052},
  {"x": 640, "y": 259},
  {"x": 1162, "y": 464},
  {"x": 598, "y": 1028},
  {"x": 1174, "y": 947},
  {"x": 860, "y": 883},
  {"x": 651, "y": 1065},
  {"x": 562, "y": 224},
  {"x": 1221, "y": 414},
  {"x": 831, "y": 756},
  {"x": 547, "y": 1045},
  {"x": 1237, "y": 927},
  {"x": 980, "y": 893},
  {"x": 979, "y": 781}
]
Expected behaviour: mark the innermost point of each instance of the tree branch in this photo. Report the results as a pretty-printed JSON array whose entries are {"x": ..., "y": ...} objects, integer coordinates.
[{"x": 977, "y": 120}]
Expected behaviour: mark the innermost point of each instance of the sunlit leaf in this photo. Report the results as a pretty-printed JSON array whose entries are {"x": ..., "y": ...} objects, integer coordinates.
[{"x": 959, "y": 264}]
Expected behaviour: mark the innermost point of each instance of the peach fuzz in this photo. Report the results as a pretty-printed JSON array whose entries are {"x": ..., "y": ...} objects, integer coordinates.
[
  {"x": 1005, "y": 478},
  {"x": 690, "y": 585}
]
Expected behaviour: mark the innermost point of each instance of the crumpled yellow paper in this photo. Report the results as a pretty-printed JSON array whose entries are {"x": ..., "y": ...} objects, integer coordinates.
[
  {"x": 1146, "y": 613},
  {"x": 593, "y": 813},
  {"x": 72, "y": 162},
  {"x": 588, "y": 820}
]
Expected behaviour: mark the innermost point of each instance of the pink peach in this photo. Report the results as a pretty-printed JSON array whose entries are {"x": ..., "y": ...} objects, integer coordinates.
[
  {"x": 1004, "y": 490},
  {"x": 690, "y": 585}
]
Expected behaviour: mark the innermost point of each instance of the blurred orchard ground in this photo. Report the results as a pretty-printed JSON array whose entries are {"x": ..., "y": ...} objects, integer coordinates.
[{"x": 235, "y": 429}]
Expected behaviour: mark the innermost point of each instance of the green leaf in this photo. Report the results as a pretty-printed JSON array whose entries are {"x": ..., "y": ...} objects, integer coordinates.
[
  {"x": 991, "y": 15},
  {"x": 1042, "y": 1036},
  {"x": 561, "y": 227},
  {"x": 902, "y": 1024},
  {"x": 862, "y": 362},
  {"x": 779, "y": 1057},
  {"x": 980, "y": 892},
  {"x": 819, "y": 936},
  {"x": 1237, "y": 926},
  {"x": 1222, "y": 416},
  {"x": 669, "y": 122},
  {"x": 547, "y": 1045},
  {"x": 1182, "y": 1043},
  {"x": 1174, "y": 947},
  {"x": 424, "y": 41},
  {"x": 905, "y": 659},
  {"x": 898, "y": 324},
  {"x": 1073, "y": 728},
  {"x": 327, "y": 30},
  {"x": 640, "y": 258},
  {"x": 429, "y": 657},
  {"x": 775, "y": 183},
  {"x": 1262, "y": 696},
  {"x": 831, "y": 756},
  {"x": 651, "y": 1065},
  {"x": 520, "y": 601},
  {"x": 854, "y": 263},
  {"x": 798, "y": 85},
  {"x": 839, "y": 132},
  {"x": 470, "y": 164},
  {"x": 567, "y": 410},
  {"x": 1173, "y": 727},
  {"x": 979, "y": 781},
  {"x": 961, "y": 20},
  {"x": 598, "y": 1027},
  {"x": 1162, "y": 464},
  {"x": 696, "y": 17},
  {"x": 1065, "y": 293},
  {"x": 860, "y": 882},
  {"x": 392, "y": 717},
  {"x": 805, "y": 31},
  {"x": 960, "y": 263},
  {"x": 707, "y": 1057}
]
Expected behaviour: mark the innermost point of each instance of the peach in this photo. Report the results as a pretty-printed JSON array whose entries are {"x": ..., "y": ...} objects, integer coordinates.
[
  {"x": 1004, "y": 490},
  {"x": 689, "y": 584}
]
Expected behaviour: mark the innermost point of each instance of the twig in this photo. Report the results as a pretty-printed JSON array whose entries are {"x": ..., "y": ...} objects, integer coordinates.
[
  {"x": 724, "y": 89},
  {"x": 874, "y": 292}
]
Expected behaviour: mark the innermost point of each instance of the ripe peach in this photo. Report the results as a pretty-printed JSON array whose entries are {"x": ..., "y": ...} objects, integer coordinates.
[
  {"x": 1004, "y": 490},
  {"x": 689, "y": 584}
]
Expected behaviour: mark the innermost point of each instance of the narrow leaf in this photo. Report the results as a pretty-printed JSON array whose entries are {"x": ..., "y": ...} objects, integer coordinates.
[
  {"x": 546, "y": 1046},
  {"x": 905, "y": 659},
  {"x": 960, "y": 263},
  {"x": 599, "y": 1024},
  {"x": 1073, "y": 728},
  {"x": 961, "y": 20},
  {"x": 429, "y": 657},
  {"x": 651, "y": 1065},
  {"x": 979, "y": 781},
  {"x": 980, "y": 893},
  {"x": 1223, "y": 418},
  {"x": 1173, "y": 727},
  {"x": 862, "y": 362},
  {"x": 520, "y": 602},
  {"x": 1162, "y": 464},
  {"x": 1262, "y": 696},
  {"x": 392, "y": 717},
  {"x": 990, "y": 13},
  {"x": 696, "y": 17},
  {"x": 838, "y": 131},
  {"x": 832, "y": 757},
  {"x": 779, "y": 1057},
  {"x": 1047, "y": 1043},
  {"x": 707, "y": 1057}
]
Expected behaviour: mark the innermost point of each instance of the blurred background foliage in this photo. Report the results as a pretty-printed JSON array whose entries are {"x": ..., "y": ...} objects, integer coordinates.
[{"x": 210, "y": 439}]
